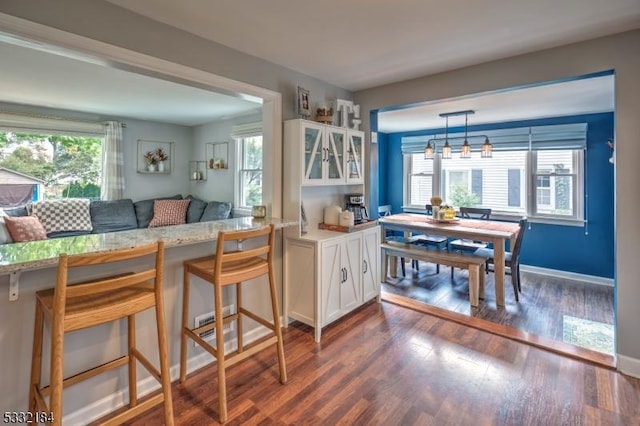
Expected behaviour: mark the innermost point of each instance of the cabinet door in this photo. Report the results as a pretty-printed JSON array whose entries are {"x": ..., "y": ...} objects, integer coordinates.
[
  {"x": 370, "y": 263},
  {"x": 336, "y": 144},
  {"x": 351, "y": 287},
  {"x": 354, "y": 156},
  {"x": 314, "y": 154},
  {"x": 332, "y": 277}
]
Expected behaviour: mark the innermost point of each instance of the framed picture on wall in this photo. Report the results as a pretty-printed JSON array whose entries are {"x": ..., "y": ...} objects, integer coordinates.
[
  {"x": 304, "y": 103},
  {"x": 154, "y": 157}
]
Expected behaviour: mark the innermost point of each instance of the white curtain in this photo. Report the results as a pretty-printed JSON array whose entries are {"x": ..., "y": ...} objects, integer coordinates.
[{"x": 112, "y": 186}]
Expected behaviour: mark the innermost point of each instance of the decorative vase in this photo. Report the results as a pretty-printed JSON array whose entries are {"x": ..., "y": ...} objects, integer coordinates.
[
  {"x": 151, "y": 167},
  {"x": 161, "y": 166}
]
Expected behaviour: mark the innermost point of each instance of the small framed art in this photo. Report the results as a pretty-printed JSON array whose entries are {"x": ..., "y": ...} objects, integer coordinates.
[{"x": 304, "y": 103}]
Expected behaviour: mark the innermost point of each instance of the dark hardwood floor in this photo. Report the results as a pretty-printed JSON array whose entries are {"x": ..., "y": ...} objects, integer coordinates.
[
  {"x": 388, "y": 365},
  {"x": 543, "y": 302}
]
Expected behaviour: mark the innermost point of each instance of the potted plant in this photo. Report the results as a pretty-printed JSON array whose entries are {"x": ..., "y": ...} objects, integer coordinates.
[
  {"x": 150, "y": 160},
  {"x": 161, "y": 156}
]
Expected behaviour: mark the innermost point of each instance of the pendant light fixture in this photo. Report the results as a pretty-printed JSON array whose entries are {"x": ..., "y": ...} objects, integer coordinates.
[
  {"x": 465, "y": 148},
  {"x": 446, "y": 149},
  {"x": 487, "y": 149}
]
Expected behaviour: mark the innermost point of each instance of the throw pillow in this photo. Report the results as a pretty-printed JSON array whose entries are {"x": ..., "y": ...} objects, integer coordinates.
[
  {"x": 5, "y": 237},
  {"x": 68, "y": 214},
  {"x": 216, "y": 210},
  {"x": 195, "y": 210},
  {"x": 113, "y": 215},
  {"x": 169, "y": 212},
  {"x": 144, "y": 209},
  {"x": 25, "y": 228}
]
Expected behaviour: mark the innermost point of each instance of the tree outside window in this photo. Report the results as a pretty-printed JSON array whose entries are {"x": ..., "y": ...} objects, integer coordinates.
[{"x": 70, "y": 166}]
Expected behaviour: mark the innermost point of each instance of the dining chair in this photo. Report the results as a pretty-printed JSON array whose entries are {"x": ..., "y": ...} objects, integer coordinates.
[
  {"x": 511, "y": 258},
  {"x": 438, "y": 241},
  {"x": 465, "y": 245}
]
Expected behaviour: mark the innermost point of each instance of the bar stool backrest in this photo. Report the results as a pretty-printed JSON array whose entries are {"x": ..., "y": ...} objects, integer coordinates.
[
  {"x": 240, "y": 265},
  {"x": 65, "y": 290}
]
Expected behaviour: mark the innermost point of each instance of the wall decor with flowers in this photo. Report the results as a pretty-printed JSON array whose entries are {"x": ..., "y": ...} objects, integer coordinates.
[{"x": 154, "y": 157}]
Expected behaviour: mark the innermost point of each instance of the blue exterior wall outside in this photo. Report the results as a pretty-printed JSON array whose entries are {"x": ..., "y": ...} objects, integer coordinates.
[{"x": 586, "y": 250}]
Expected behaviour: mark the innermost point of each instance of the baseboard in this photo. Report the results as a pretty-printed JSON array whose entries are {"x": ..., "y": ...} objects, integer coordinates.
[
  {"x": 110, "y": 403},
  {"x": 629, "y": 366},
  {"x": 591, "y": 279}
]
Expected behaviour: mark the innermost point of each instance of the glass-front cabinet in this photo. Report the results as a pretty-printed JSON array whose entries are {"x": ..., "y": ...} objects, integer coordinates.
[
  {"x": 355, "y": 155},
  {"x": 324, "y": 154},
  {"x": 331, "y": 155}
]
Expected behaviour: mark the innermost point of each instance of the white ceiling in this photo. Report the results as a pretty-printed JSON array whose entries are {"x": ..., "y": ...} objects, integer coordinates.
[
  {"x": 35, "y": 77},
  {"x": 354, "y": 45},
  {"x": 367, "y": 43},
  {"x": 584, "y": 96}
]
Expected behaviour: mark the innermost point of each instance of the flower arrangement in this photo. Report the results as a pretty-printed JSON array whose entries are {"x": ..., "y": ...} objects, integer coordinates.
[
  {"x": 161, "y": 155},
  {"x": 150, "y": 158}
]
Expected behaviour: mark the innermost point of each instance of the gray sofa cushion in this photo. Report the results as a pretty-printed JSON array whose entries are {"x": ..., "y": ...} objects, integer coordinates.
[
  {"x": 114, "y": 215},
  {"x": 195, "y": 210},
  {"x": 16, "y": 212},
  {"x": 60, "y": 234},
  {"x": 216, "y": 210},
  {"x": 144, "y": 209}
]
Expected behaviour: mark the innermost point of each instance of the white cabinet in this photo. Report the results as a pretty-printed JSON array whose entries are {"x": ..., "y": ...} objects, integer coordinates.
[
  {"x": 328, "y": 155},
  {"x": 329, "y": 274},
  {"x": 340, "y": 276}
]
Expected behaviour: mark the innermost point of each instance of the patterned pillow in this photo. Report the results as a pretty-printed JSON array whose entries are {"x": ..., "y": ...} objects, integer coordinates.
[
  {"x": 69, "y": 214},
  {"x": 169, "y": 212},
  {"x": 25, "y": 228}
]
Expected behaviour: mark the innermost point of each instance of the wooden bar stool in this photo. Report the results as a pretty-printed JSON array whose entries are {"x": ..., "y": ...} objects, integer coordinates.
[
  {"x": 231, "y": 268},
  {"x": 69, "y": 307}
]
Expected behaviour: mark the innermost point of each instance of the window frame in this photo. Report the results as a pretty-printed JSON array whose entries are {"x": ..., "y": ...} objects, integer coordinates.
[
  {"x": 529, "y": 185},
  {"x": 239, "y": 187},
  {"x": 406, "y": 181}
]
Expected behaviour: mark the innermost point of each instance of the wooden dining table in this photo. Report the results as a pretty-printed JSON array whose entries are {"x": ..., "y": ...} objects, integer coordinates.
[{"x": 490, "y": 231}]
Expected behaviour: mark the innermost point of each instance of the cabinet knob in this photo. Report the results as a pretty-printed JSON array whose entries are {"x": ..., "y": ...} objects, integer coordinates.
[{"x": 365, "y": 267}]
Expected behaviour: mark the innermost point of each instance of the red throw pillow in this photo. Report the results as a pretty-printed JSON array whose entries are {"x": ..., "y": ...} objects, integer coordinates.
[
  {"x": 169, "y": 212},
  {"x": 25, "y": 228}
]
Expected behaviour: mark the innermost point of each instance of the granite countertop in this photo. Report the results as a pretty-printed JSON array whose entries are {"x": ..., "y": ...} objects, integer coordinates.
[{"x": 40, "y": 254}]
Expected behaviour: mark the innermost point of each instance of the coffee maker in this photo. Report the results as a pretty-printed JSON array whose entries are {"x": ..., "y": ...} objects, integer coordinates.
[{"x": 355, "y": 204}]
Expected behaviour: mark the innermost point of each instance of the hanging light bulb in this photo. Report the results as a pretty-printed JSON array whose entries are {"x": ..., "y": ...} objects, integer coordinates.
[
  {"x": 428, "y": 151},
  {"x": 465, "y": 150},
  {"x": 446, "y": 149},
  {"x": 487, "y": 149}
]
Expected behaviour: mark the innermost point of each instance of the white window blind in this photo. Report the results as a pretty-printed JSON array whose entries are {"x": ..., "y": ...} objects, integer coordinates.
[
  {"x": 50, "y": 125},
  {"x": 249, "y": 130}
]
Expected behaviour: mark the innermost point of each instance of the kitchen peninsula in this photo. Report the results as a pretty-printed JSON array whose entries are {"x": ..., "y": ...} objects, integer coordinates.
[{"x": 33, "y": 267}]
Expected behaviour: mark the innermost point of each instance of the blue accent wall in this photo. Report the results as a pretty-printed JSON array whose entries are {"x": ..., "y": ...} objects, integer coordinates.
[{"x": 585, "y": 250}]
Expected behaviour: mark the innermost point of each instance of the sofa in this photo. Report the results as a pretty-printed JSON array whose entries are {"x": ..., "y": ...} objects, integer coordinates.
[{"x": 76, "y": 216}]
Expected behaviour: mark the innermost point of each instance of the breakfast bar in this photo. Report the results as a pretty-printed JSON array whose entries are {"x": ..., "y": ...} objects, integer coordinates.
[{"x": 31, "y": 266}]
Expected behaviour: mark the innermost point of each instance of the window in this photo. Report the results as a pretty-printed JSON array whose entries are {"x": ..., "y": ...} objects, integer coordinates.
[
  {"x": 250, "y": 172},
  {"x": 556, "y": 177},
  {"x": 420, "y": 181},
  {"x": 503, "y": 182},
  {"x": 49, "y": 166}
]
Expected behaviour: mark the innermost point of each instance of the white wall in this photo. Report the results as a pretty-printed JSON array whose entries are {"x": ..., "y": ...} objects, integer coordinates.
[
  {"x": 140, "y": 186},
  {"x": 220, "y": 185},
  {"x": 618, "y": 52}
]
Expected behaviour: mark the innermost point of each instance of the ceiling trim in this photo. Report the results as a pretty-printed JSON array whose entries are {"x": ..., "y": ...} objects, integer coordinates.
[{"x": 119, "y": 57}]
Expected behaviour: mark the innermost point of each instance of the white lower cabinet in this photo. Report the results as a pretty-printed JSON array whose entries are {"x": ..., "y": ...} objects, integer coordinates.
[{"x": 329, "y": 274}]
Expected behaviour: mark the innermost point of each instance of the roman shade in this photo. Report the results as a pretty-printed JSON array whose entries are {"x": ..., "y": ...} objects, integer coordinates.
[{"x": 557, "y": 136}]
